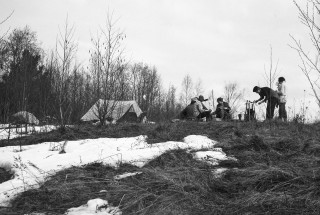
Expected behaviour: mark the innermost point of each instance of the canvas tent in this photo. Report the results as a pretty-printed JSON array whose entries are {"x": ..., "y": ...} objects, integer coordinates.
[
  {"x": 24, "y": 117},
  {"x": 117, "y": 110}
]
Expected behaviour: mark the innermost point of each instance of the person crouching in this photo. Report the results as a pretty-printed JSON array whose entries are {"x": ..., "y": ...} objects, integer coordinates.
[
  {"x": 223, "y": 109},
  {"x": 204, "y": 112}
]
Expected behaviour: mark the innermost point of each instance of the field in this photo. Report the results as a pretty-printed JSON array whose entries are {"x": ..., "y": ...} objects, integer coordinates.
[{"x": 276, "y": 171}]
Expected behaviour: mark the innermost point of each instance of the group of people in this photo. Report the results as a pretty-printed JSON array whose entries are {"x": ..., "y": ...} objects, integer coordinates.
[
  {"x": 196, "y": 110},
  {"x": 274, "y": 99}
]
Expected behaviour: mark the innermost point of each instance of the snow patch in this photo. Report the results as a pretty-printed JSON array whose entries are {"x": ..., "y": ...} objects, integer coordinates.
[
  {"x": 201, "y": 140},
  {"x": 35, "y": 163},
  {"x": 94, "y": 207},
  {"x": 125, "y": 175},
  {"x": 11, "y": 133},
  {"x": 211, "y": 157},
  {"x": 217, "y": 173}
]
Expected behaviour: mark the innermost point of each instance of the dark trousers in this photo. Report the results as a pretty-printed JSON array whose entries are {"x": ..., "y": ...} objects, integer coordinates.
[
  {"x": 223, "y": 114},
  {"x": 272, "y": 102},
  {"x": 282, "y": 111},
  {"x": 206, "y": 114}
]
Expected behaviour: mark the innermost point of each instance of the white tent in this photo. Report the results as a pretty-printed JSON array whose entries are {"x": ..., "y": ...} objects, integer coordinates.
[
  {"x": 25, "y": 117},
  {"x": 117, "y": 110}
]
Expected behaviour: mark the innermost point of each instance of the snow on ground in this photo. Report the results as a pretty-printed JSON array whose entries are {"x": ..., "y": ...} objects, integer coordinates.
[
  {"x": 213, "y": 156},
  {"x": 35, "y": 163},
  {"x": 5, "y": 132},
  {"x": 219, "y": 172},
  {"x": 125, "y": 175},
  {"x": 4, "y": 125},
  {"x": 95, "y": 206}
]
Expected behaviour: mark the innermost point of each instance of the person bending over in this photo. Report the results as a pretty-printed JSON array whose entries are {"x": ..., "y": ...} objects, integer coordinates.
[{"x": 267, "y": 95}]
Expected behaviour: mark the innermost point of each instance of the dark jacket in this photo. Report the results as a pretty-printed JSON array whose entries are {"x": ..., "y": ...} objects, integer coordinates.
[
  {"x": 223, "y": 110},
  {"x": 267, "y": 93},
  {"x": 225, "y": 106},
  {"x": 190, "y": 112}
]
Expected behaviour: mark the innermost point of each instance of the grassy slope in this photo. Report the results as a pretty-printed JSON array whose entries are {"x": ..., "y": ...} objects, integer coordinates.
[{"x": 277, "y": 173}]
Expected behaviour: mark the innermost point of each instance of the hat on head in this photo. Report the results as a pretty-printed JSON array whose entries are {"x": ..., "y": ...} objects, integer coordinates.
[
  {"x": 281, "y": 79},
  {"x": 219, "y": 99},
  {"x": 201, "y": 98},
  {"x": 255, "y": 89}
]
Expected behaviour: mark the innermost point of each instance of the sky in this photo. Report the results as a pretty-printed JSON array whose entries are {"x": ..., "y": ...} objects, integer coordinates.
[
  {"x": 30, "y": 171},
  {"x": 215, "y": 41}
]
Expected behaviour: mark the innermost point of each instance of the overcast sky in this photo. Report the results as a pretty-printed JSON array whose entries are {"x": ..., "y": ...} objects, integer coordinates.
[{"x": 217, "y": 41}]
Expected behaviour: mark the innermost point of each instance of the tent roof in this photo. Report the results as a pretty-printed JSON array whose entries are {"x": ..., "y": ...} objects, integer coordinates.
[
  {"x": 118, "y": 109},
  {"x": 26, "y": 117}
]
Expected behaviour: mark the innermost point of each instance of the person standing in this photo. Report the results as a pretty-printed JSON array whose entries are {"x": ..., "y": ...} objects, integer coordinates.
[
  {"x": 282, "y": 92},
  {"x": 267, "y": 95}
]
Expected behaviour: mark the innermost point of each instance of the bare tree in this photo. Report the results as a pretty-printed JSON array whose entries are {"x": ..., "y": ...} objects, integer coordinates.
[
  {"x": 310, "y": 59},
  {"x": 3, "y": 59},
  {"x": 3, "y": 46},
  {"x": 108, "y": 67},
  {"x": 211, "y": 99},
  {"x": 233, "y": 95},
  {"x": 64, "y": 63},
  {"x": 271, "y": 74},
  {"x": 170, "y": 102},
  {"x": 152, "y": 91},
  {"x": 3, "y": 21},
  {"x": 146, "y": 89},
  {"x": 133, "y": 81},
  {"x": 198, "y": 88},
  {"x": 4, "y": 110},
  {"x": 187, "y": 90}
]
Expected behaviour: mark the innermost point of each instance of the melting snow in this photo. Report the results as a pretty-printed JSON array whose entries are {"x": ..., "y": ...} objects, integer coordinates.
[
  {"x": 212, "y": 157},
  {"x": 5, "y": 132},
  {"x": 95, "y": 206},
  {"x": 125, "y": 175},
  {"x": 35, "y": 163}
]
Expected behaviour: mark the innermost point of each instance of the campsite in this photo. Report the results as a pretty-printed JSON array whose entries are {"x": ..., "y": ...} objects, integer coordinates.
[{"x": 147, "y": 107}]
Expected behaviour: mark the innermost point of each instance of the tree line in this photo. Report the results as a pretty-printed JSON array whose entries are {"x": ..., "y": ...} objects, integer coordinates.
[{"x": 53, "y": 85}]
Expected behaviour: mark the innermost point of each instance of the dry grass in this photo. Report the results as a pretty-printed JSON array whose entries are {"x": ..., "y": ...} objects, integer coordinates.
[
  {"x": 156, "y": 132},
  {"x": 277, "y": 173},
  {"x": 5, "y": 175}
]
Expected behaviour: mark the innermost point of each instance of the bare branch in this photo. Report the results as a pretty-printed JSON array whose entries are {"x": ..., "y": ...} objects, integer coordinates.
[
  {"x": 270, "y": 76},
  {"x": 3, "y": 21},
  {"x": 1, "y": 38},
  {"x": 108, "y": 67}
]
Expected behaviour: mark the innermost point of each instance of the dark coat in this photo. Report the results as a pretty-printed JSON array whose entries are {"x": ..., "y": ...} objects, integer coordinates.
[{"x": 266, "y": 94}]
